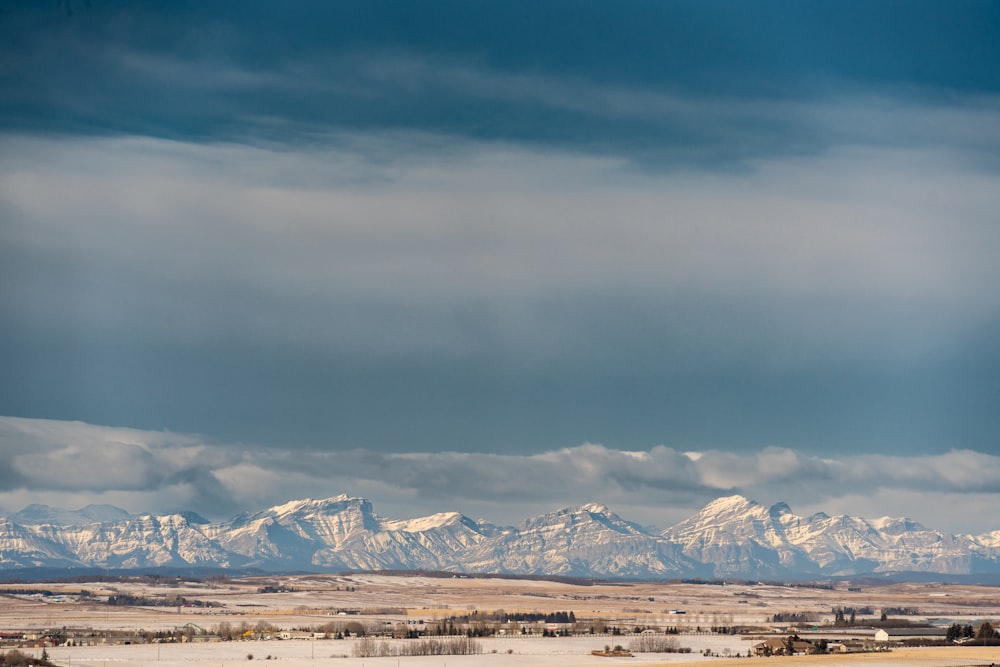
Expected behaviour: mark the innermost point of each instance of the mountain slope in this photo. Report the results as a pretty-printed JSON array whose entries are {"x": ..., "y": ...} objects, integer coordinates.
[
  {"x": 590, "y": 541},
  {"x": 141, "y": 541},
  {"x": 739, "y": 537},
  {"x": 729, "y": 537},
  {"x": 20, "y": 547}
]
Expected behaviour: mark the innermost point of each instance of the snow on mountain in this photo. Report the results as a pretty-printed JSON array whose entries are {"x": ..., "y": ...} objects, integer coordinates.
[
  {"x": 19, "y": 547},
  {"x": 590, "y": 541},
  {"x": 991, "y": 539},
  {"x": 345, "y": 533},
  {"x": 729, "y": 537},
  {"x": 434, "y": 543},
  {"x": 421, "y": 524},
  {"x": 140, "y": 541},
  {"x": 739, "y": 537},
  {"x": 290, "y": 534}
]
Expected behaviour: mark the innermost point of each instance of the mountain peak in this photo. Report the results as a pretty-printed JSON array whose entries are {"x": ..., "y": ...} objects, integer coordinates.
[
  {"x": 726, "y": 504},
  {"x": 896, "y": 525},
  {"x": 335, "y": 503},
  {"x": 587, "y": 514},
  {"x": 779, "y": 509},
  {"x": 36, "y": 514},
  {"x": 194, "y": 517},
  {"x": 595, "y": 508}
]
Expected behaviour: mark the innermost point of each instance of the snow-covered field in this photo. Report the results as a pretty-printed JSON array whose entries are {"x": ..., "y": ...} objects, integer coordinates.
[
  {"x": 302, "y": 653},
  {"x": 379, "y": 600},
  {"x": 524, "y": 652}
]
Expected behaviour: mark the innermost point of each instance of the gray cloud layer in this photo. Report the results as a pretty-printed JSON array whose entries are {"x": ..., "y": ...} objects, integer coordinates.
[
  {"x": 472, "y": 289},
  {"x": 71, "y": 464},
  {"x": 495, "y": 224}
]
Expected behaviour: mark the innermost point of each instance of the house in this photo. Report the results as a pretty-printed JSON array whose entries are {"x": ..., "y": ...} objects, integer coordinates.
[
  {"x": 848, "y": 646},
  {"x": 781, "y": 645},
  {"x": 117, "y": 639}
]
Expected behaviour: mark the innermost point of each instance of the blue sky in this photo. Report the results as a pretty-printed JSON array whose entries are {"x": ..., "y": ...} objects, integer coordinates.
[{"x": 718, "y": 231}]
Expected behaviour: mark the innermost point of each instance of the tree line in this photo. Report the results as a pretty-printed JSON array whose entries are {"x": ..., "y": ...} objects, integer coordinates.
[
  {"x": 985, "y": 632},
  {"x": 126, "y": 600}
]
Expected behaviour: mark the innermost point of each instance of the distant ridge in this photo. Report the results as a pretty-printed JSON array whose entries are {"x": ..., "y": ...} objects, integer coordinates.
[
  {"x": 731, "y": 537},
  {"x": 39, "y": 514}
]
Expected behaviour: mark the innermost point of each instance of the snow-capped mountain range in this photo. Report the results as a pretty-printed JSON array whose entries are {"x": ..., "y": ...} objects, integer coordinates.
[{"x": 730, "y": 537}]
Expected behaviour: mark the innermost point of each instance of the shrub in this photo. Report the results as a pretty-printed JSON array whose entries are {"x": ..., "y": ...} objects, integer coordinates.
[
  {"x": 15, "y": 658},
  {"x": 654, "y": 644},
  {"x": 369, "y": 647}
]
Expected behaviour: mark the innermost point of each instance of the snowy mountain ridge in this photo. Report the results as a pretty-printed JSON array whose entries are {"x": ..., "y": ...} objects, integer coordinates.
[{"x": 730, "y": 537}]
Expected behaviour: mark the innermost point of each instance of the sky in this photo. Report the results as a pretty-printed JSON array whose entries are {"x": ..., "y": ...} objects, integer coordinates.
[{"x": 502, "y": 257}]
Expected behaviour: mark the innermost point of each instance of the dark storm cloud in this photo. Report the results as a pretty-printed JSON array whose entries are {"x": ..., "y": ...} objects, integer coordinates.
[{"x": 661, "y": 87}]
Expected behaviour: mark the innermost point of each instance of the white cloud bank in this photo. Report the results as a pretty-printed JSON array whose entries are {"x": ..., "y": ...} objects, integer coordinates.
[{"x": 71, "y": 464}]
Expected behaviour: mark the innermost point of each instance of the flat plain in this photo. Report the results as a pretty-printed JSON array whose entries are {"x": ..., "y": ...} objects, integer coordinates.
[{"x": 300, "y": 606}]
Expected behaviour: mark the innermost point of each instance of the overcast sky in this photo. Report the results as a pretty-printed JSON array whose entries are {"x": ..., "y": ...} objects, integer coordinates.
[{"x": 502, "y": 257}]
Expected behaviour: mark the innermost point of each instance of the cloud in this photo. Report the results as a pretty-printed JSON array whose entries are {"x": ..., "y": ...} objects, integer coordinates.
[
  {"x": 656, "y": 486},
  {"x": 63, "y": 460},
  {"x": 203, "y": 242},
  {"x": 145, "y": 279}
]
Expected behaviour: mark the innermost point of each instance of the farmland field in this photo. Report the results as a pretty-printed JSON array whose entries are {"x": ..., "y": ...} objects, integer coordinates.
[{"x": 297, "y": 620}]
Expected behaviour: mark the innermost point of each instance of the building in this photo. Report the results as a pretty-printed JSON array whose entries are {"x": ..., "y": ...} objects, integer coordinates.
[
  {"x": 781, "y": 646},
  {"x": 885, "y": 635}
]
